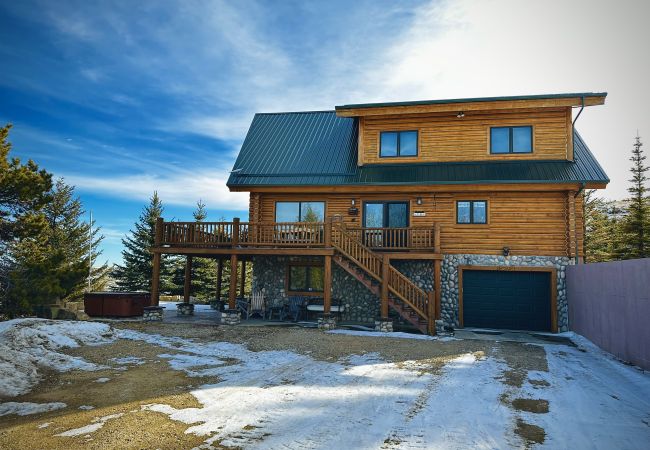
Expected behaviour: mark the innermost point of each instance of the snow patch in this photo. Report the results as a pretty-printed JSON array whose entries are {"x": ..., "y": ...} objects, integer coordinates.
[
  {"x": 98, "y": 422},
  {"x": 102, "y": 380},
  {"x": 86, "y": 407},
  {"x": 128, "y": 360},
  {"x": 26, "y": 408},
  {"x": 27, "y": 344}
]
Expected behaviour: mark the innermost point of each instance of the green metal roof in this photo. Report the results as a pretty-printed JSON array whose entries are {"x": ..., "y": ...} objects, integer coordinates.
[
  {"x": 474, "y": 100},
  {"x": 320, "y": 149}
]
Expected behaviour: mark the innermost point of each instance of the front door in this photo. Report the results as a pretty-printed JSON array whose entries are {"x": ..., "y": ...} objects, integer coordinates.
[{"x": 385, "y": 224}]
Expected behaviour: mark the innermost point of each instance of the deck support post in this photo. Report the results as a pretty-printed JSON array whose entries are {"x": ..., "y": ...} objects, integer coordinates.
[
  {"x": 242, "y": 286},
  {"x": 385, "y": 265},
  {"x": 188, "y": 279},
  {"x": 155, "y": 275},
  {"x": 437, "y": 278},
  {"x": 327, "y": 286},
  {"x": 155, "y": 280},
  {"x": 232, "y": 292},
  {"x": 219, "y": 277}
]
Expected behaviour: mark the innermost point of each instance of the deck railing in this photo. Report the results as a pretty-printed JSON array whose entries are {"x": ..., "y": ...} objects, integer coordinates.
[{"x": 289, "y": 234}]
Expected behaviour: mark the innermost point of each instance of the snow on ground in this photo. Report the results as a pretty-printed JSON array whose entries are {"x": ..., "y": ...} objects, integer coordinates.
[
  {"x": 26, "y": 344},
  {"x": 98, "y": 422},
  {"x": 171, "y": 306},
  {"x": 422, "y": 337},
  {"x": 102, "y": 380},
  {"x": 26, "y": 408},
  {"x": 128, "y": 360},
  {"x": 281, "y": 399}
]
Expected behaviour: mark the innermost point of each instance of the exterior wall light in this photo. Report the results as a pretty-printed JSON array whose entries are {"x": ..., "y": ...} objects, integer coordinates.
[
  {"x": 506, "y": 251},
  {"x": 460, "y": 114},
  {"x": 418, "y": 200}
]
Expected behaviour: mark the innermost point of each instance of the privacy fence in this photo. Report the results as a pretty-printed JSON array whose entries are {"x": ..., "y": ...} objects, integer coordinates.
[{"x": 609, "y": 304}]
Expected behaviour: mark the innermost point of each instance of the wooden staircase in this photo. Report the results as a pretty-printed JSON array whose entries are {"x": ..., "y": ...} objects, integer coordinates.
[{"x": 375, "y": 272}]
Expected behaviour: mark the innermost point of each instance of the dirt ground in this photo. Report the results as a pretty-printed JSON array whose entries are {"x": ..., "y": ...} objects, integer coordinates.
[{"x": 153, "y": 381}]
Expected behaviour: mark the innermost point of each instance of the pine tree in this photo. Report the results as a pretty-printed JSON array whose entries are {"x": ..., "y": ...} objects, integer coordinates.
[
  {"x": 136, "y": 272},
  {"x": 600, "y": 229},
  {"x": 68, "y": 232},
  {"x": 636, "y": 225}
]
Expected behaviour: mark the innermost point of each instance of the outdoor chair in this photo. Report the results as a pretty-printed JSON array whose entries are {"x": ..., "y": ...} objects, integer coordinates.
[
  {"x": 297, "y": 307},
  {"x": 256, "y": 306},
  {"x": 276, "y": 306},
  {"x": 242, "y": 306}
]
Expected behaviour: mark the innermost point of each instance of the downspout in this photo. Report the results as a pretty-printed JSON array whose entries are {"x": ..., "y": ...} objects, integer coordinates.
[{"x": 575, "y": 229}]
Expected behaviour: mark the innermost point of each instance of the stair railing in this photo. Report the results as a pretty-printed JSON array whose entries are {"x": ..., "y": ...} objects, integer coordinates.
[{"x": 398, "y": 284}]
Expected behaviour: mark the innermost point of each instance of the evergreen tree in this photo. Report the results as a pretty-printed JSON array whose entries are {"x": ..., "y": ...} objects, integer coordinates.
[
  {"x": 136, "y": 272},
  {"x": 601, "y": 229},
  {"x": 68, "y": 232},
  {"x": 636, "y": 225},
  {"x": 24, "y": 190}
]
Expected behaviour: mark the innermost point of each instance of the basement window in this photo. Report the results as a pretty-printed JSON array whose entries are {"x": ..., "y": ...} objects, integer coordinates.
[
  {"x": 471, "y": 211},
  {"x": 398, "y": 143},
  {"x": 305, "y": 278},
  {"x": 511, "y": 140}
]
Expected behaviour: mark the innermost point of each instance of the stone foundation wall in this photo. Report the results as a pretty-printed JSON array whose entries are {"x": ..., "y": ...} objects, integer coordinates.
[
  {"x": 362, "y": 306},
  {"x": 449, "y": 281}
]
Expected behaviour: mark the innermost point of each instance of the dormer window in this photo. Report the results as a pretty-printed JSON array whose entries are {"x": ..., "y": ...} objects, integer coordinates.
[
  {"x": 398, "y": 144},
  {"x": 511, "y": 140}
]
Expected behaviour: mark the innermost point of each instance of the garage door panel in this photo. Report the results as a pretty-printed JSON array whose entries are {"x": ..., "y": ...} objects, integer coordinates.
[{"x": 517, "y": 300}]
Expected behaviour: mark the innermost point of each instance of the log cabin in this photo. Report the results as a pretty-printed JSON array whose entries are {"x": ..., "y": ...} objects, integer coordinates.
[{"x": 433, "y": 214}]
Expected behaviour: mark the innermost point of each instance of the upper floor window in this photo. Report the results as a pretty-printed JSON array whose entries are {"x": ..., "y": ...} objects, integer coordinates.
[
  {"x": 511, "y": 139},
  {"x": 471, "y": 211},
  {"x": 299, "y": 211},
  {"x": 398, "y": 143}
]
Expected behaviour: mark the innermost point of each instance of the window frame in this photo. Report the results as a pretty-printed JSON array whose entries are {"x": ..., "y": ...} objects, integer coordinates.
[
  {"x": 471, "y": 212},
  {"x": 399, "y": 144},
  {"x": 308, "y": 267},
  {"x": 300, "y": 202},
  {"x": 510, "y": 129}
]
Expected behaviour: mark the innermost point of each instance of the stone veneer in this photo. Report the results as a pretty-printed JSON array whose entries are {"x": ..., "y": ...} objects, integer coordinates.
[
  {"x": 449, "y": 281},
  {"x": 153, "y": 313},
  {"x": 362, "y": 306}
]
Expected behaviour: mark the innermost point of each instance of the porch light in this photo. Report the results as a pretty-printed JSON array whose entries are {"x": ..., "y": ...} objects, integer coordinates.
[
  {"x": 506, "y": 251},
  {"x": 460, "y": 114},
  {"x": 418, "y": 200},
  {"x": 352, "y": 202}
]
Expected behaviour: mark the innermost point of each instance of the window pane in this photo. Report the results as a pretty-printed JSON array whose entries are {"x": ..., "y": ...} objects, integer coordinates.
[
  {"x": 287, "y": 212},
  {"x": 316, "y": 278},
  {"x": 374, "y": 215},
  {"x": 500, "y": 140},
  {"x": 388, "y": 144},
  {"x": 463, "y": 212},
  {"x": 297, "y": 278},
  {"x": 397, "y": 215},
  {"x": 522, "y": 139},
  {"x": 408, "y": 143},
  {"x": 480, "y": 212},
  {"x": 312, "y": 211}
]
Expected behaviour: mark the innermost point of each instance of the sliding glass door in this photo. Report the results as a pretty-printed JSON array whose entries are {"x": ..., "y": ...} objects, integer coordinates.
[{"x": 379, "y": 218}]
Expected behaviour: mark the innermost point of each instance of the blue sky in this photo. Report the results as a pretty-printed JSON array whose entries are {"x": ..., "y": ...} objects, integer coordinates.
[{"x": 124, "y": 98}]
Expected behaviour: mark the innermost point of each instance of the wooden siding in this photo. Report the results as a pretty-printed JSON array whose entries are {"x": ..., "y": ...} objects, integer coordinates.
[
  {"x": 529, "y": 223},
  {"x": 446, "y": 138}
]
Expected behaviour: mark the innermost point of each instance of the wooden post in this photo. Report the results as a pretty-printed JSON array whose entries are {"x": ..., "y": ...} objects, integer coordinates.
[
  {"x": 384, "y": 285},
  {"x": 242, "y": 286},
  {"x": 219, "y": 277},
  {"x": 155, "y": 279},
  {"x": 232, "y": 293},
  {"x": 188, "y": 279},
  {"x": 431, "y": 313},
  {"x": 235, "y": 231},
  {"x": 328, "y": 232},
  {"x": 155, "y": 276},
  {"x": 327, "y": 286},
  {"x": 437, "y": 279}
]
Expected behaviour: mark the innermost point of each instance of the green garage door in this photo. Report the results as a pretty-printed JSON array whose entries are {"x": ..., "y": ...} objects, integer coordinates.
[{"x": 507, "y": 300}]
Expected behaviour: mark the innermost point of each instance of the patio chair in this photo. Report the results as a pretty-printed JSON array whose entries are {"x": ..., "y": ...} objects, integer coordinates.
[
  {"x": 242, "y": 306},
  {"x": 297, "y": 307},
  {"x": 276, "y": 306},
  {"x": 256, "y": 305}
]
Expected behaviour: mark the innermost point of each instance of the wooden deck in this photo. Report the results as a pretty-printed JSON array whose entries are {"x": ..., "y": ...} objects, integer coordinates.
[{"x": 368, "y": 251}]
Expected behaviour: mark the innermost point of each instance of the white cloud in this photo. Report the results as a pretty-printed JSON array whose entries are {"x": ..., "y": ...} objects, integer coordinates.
[{"x": 180, "y": 188}]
